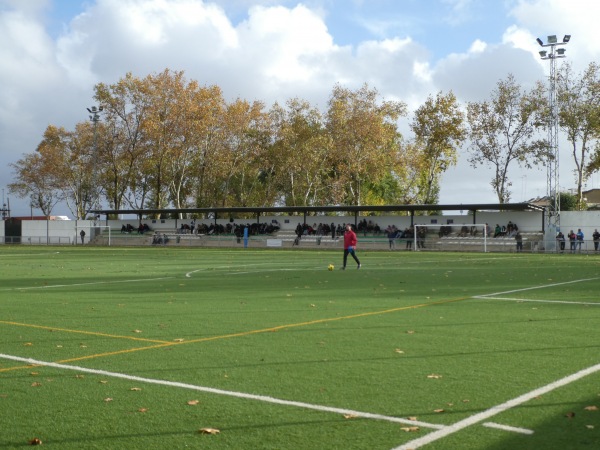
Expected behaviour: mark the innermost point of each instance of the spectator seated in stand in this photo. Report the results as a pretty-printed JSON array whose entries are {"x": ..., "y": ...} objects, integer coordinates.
[
  {"x": 143, "y": 228},
  {"x": 127, "y": 228},
  {"x": 499, "y": 231},
  {"x": 464, "y": 231},
  {"x": 445, "y": 231}
]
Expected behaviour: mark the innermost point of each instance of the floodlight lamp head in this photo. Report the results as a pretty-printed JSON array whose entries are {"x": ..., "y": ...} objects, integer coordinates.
[
  {"x": 539, "y": 41},
  {"x": 543, "y": 53},
  {"x": 94, "y": 108},
  {"x": 552, "y": 39},
  {"x": 89, "y": 110},
  {"x": 567, "y": 38},
  {"x": 101, "y": 108},
  {"x": 560, "y": 51}
]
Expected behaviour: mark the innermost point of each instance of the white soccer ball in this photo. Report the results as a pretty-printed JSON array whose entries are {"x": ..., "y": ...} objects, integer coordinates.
[{"x": 330, "y": 267}]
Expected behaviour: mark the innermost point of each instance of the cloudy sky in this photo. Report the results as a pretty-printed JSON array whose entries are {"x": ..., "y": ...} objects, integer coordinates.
[{"x": 52, "y": 53}]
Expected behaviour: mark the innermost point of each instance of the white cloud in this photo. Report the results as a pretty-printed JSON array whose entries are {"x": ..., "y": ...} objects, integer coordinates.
[{"x": 273, "y": 51}]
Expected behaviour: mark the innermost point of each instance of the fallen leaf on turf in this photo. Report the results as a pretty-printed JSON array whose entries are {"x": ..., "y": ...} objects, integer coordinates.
[
  {"x": 137, "y": 331},
  {"x": 398, "y": 351},
  {"x": 82, "y": 346},
  {"x": 193, "y": 402},
  {"x": 28, "y": 344},
  {"x": 103, "y": 382},
  {"x": 434, "y": 376},
  {"x": 59, "y": 346},
  {"x": 35, "y": 441},
  {"x": 108, "y": 399},
  {"x": 350, "y": 416},
  {"x": 143, "y": 410},
  {"x": 570, "y": 415},
  {"x": 135, "y": 389},
  {"x": 79, "y": 376},
  {"x": 590, "y": 427},
  {"x": 410, "y": 429},
  {"x": 178, "y": 340},
  {"x": 412, "y": 418},
  {"x": 33, "y": 374},
  {"x": 450, "y": 404},
  {"x": 36, "y": 384},
  {"x": 438, "y": 410},
  {"x": 209, "y": 431},
  {"x": 466, "y": 400},
  {"x": 591, "y": 408},
  {"x": 410, "y": 332}
]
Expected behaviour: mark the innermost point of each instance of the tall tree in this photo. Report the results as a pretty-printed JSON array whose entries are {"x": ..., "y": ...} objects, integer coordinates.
[
  {"x": 363, "y": 130},
  {"x": 125, "y": 104},
  {"x": 300, "y": 149},
  {"x": 63, "y": 167},
  {"x": 439, "y": 130},
  {"x": 503, "y": 130},
  {"x": 240, "y": 148},
  {"x": 35, "y": 180},
  {"x": 579, "y": 116}
]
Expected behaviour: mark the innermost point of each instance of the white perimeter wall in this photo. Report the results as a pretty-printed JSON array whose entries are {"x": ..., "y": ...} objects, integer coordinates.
[{"x": 52, "y": 231}]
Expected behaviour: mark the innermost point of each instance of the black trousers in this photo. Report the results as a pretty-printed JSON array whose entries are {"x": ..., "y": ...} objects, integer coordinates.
[{"x": 353, "y": 253}]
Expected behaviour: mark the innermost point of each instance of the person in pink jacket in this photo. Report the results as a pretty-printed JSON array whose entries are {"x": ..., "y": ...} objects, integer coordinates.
[{"x": 350, "y": 242}]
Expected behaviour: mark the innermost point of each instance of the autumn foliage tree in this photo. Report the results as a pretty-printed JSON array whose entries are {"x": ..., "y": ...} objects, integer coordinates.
[
  {"x": 365, "y": 140},
  {"x": 504, "y": 130},
  {"x": 167, "y": 142},
  {"x": 579, "y": 117},
  {"x": 439, "y": 129}
]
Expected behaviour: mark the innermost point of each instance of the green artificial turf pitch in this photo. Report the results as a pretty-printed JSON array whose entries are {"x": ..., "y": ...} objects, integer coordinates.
[{"x": 276, "y": 352}]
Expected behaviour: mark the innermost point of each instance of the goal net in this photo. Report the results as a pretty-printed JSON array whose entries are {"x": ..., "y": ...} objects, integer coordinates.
[
  {"x": 452, "y": 236},
  {"x": 91, "y": 233}
]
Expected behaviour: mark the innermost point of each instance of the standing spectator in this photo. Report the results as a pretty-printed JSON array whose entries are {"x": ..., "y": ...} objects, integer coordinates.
[
  {"x": 332, "y": 230},
  {"x": 572, "y": 239},
  {"x": 421, "y": 234},
  {"x": 519, "y": 240},
  {"x": 596, "y": 237},
  {"x": 392, "y": 234},
  {"x": 579, "y": 237},
  {"x": 560, "y": 238},
  {"x": 350, "y": 242},
  {"x": 82, "y": 234}
]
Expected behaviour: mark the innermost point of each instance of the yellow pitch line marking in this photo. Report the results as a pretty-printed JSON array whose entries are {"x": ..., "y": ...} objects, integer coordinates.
[
  {"x": 97, "y": 355},
  {"x": 242, "y": 333},
  {"x": 91, "y": 333},
  {"x": 317, "y": 321}
]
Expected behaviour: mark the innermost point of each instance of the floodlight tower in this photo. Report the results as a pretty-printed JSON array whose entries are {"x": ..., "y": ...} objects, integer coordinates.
[
  {"x": 553, "y": 212},
  {"x": 95, "y": 118}
]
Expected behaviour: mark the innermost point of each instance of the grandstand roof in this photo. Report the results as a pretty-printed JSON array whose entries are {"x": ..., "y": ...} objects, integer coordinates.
[{"x": 323, "y": 209}]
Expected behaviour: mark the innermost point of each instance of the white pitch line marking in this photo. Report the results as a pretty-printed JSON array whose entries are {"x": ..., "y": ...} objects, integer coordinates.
[
  {"x": 507, "y": 428},
  {"x": 524, "y": 300},
  {"x": 494, "y": 410},
  {"x": 95, "y": 283},
  {"x": 538, "y": 287},
  {"x": 261, "y": 398}
]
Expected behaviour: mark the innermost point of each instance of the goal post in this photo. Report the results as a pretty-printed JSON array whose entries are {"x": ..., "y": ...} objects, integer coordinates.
[
  {"x": 87, "y": 233},
  {"x": 476, "y": 231}
]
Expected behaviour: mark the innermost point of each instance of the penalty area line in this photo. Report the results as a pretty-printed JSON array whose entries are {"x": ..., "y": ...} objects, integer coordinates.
[
  {"x": 544, "y": 286},
  {"x": 524, "y": 300},
  {"x": 261, "y": 398},
  {"x": 494, "y": 410},
  {"x": 499, "y": 426}
]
